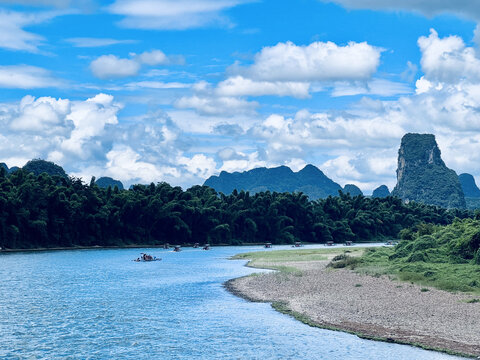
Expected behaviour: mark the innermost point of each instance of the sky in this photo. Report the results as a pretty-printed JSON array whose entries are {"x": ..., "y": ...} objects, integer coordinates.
[{"x": 179, "y": 90}]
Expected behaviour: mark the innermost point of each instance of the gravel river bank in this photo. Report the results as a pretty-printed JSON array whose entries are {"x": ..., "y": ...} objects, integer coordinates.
[{"x": 374, "y": 307}]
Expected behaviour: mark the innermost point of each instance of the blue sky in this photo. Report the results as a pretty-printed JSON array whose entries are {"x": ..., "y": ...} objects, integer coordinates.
[{"x": 176, "y": 91}]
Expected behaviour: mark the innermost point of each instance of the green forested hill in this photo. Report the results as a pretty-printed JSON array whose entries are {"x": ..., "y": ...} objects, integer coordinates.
[
  {"x": 38, "y": 166},
  {"x": 310, "y": 180},
  {"x": 51, "y": 211},
  {"x": 381, "y": 192},
  {"x": 105, "y": 182}
]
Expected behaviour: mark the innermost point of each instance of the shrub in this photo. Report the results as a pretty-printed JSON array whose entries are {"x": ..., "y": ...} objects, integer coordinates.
[{"x": 342, "y": 261}]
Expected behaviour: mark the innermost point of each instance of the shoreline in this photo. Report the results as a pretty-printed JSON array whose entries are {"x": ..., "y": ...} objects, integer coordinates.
[
  {"x": 276, "y": 289},
  {"x": 98, "y": 247},
  {"x": 141, "y": 246}
]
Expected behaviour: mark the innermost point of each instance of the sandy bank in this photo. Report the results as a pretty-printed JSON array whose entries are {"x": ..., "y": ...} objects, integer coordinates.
[{"x": 370, "y": 306}]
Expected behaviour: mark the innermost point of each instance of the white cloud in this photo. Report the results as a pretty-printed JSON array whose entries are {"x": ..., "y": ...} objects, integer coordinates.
[
  {"x": 156, "y": 85},
  {"x": 89, "y": 119},
  {"x": 380, "y": 87},
  {"x": 448, "y": 60},
  {"x": 113, "y": 67},
  {"x": 86, "y": 138},
  {"x": 26, "y": 77},
  {"x": 155, "y": 57},
  {"x": 466, "y": 8},
  {"x": 240, "y": 86},
  {"x": 199, "y": 165},
  {"x": 125, "y": 163},
  {"x": 319, "y": 61},
  {"x": 217, "y": 105},
  {"x": 42, "y": 114},
  {"x": 14, "y": 37},
  {"x": 54, "y": 3},
  {"x": 172, "y": 14},
  {"x": 96, "y": 42}
]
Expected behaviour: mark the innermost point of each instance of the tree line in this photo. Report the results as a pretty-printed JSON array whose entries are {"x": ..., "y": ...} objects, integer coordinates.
[{"x": 41, "y": 211}]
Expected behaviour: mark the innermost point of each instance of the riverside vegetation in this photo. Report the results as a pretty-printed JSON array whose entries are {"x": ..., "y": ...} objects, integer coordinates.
[
  {"x": 444, "y": 257},
  {"x": 42, "y": 211}
]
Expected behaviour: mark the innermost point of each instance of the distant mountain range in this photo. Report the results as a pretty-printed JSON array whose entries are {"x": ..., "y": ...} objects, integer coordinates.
[
  {"x": 39, "y": 166},
  {"x": 421, "y": 176},
  {"x": 310, "y": 180}
]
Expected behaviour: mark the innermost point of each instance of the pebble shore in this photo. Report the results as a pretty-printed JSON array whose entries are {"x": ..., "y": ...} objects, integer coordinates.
[{"x": 375, "y": 307}]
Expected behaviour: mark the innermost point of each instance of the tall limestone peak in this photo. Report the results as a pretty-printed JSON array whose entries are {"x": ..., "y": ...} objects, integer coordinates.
[{"x": 423, "y": 176}]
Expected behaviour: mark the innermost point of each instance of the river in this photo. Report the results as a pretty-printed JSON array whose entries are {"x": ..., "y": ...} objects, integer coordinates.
[{"x": 99, "y": 304}]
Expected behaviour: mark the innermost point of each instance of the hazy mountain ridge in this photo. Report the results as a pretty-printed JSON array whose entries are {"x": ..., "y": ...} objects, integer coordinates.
[
  {"x": 310, "y": 180},
  {"x": 105, "y": 182},
  {"x": 381, "y": 192}
]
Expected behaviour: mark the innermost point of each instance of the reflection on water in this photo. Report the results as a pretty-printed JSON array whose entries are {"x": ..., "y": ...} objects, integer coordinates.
[{"x": 99, "y": 304}]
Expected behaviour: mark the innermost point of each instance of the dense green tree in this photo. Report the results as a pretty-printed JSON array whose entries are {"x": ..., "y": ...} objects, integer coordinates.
[{"x": 51, "y": 211}]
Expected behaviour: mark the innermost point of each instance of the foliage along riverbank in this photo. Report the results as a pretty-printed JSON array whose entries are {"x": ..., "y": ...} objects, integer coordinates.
[
  {"x": 308, "y": 288},
  {"x": 53, "y": 211},
  {"x": 445, "y": 257}
]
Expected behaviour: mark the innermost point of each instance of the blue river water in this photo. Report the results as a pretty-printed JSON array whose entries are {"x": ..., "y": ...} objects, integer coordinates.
[{"x": 99, "y": 304}]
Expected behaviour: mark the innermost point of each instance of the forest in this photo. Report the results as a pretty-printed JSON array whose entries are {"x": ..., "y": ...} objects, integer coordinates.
[{"x": 43, "y": 211}]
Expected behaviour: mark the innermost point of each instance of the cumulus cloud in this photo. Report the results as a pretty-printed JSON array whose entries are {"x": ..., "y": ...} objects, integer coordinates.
[
  {"x": 113, "y": 67},
  {"x": 26, "y": 77},
  {"x": 172, "y": 14},
  {"x": 44, "y": 114},
  {"x": 287, "y": 69},
  {"x": 448, "y": 59},
  {"x": 319, "y": 61},
  {"x": 87, "y": 138},
  {"x": 466, "y": 8}
]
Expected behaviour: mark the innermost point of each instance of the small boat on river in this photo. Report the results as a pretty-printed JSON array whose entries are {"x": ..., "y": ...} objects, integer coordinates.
[
  {"x": 177, "y": 248},
  {"x": 146, "y": 258}
]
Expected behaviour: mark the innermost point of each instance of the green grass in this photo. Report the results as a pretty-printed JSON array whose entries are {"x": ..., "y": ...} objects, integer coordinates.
[
  {"x": 281, "y": 259},
  {"x": 444, "y": 275}
]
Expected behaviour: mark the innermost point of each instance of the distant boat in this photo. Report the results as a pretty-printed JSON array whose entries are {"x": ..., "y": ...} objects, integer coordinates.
[
  {"x": 297, "y": 244},
  {"x": 206, "y": 247},
  {"x": 177, "y": 248},
  {"x": 146, "y": 258},
  {"x": 268, "y": 245}
]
